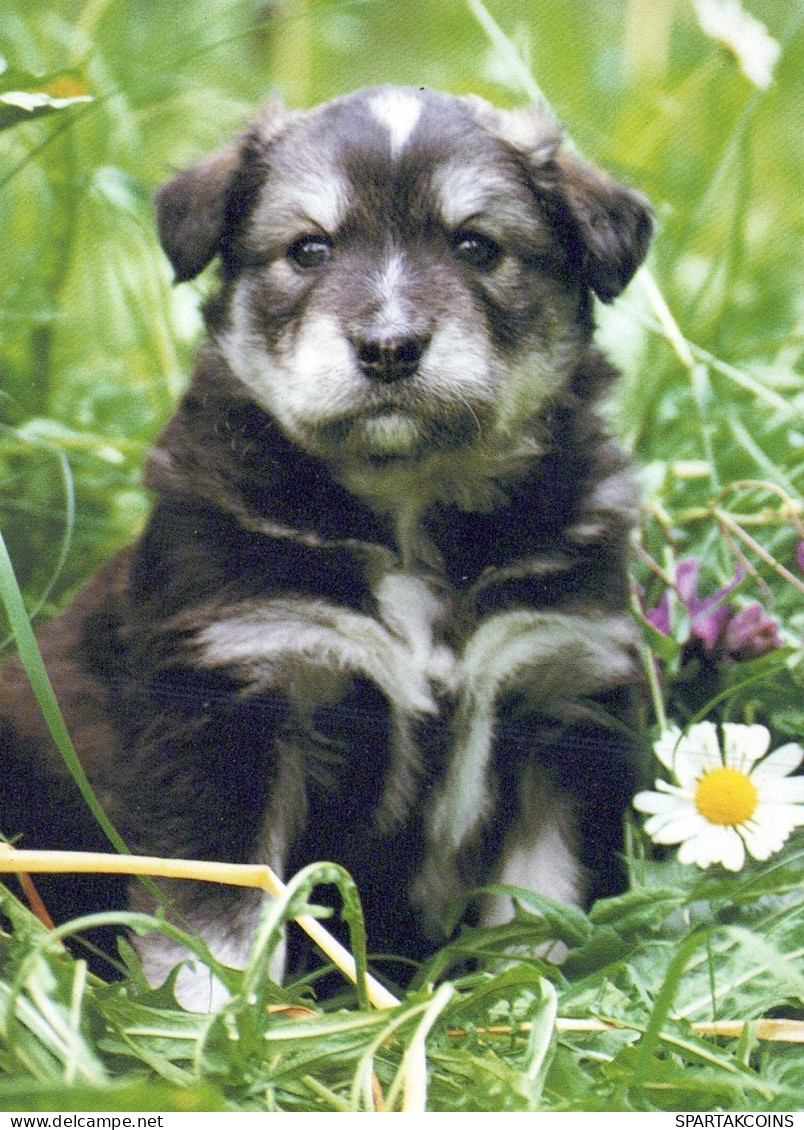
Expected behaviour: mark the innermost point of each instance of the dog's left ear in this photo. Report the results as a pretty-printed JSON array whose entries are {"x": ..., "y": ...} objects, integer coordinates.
[{"x": 604, "y": 227}]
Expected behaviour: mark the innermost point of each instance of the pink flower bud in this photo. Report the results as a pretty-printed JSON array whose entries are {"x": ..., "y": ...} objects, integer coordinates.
[{"x": 751, "y": 633}]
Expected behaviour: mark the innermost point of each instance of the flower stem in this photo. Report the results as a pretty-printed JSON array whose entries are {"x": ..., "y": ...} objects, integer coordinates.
[
  {"x": 725, "y": 521},
  {"x": 653, "y": 678}
]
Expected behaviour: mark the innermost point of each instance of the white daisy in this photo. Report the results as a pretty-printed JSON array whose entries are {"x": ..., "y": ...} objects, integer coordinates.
[{"x": 724, "y": 802}]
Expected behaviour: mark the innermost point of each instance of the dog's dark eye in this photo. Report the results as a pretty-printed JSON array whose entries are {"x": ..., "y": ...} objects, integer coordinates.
[
  {"x": 477, "y": 250},
  {"x": 310, "y": 251}
]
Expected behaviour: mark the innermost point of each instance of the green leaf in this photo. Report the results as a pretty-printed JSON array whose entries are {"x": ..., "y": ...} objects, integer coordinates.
[
  {"x": 666, "y": 648},
  {"x": 145, "y": 1095},
  {"x": 639, "y": 911},
  {"x": 566, "y": 923},
  {"x": 24, "y": 96}
]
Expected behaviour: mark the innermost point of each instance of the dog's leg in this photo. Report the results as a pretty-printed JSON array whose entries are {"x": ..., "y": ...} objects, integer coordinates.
[
  {"x": 539, "y": 852},
  {"x": 571, "y": 785},
  {"x": 548, "y": 664},
  {"x": 228, "y": 933},
  {"x": 235, "y": 760}
]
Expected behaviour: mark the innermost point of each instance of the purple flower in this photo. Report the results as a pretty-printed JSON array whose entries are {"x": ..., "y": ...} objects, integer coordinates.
[
  {"x": 722, "y": 630},
  {"x": 751, "y": 633},
  {"x": 659, "y": 617},
  {"x": 800, "y": 555},
  {"x": 711, "y": 627},
  {"x": 687, "y": 587}
]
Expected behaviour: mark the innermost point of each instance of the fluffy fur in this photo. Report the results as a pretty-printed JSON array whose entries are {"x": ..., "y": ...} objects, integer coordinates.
[{"x": 379, "y": 614}]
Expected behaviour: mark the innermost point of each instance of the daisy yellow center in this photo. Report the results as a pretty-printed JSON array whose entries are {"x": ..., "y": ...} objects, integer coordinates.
[{"x": 726, "y": 796}]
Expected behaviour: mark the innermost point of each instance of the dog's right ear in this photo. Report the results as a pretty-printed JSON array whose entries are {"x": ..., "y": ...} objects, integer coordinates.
[
  {"x": 195, "y": 210},
  {"x": 191, "y": 212}
]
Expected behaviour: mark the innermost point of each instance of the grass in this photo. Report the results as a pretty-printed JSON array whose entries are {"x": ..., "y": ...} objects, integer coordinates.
[
  {"x": 94, "y": 348},
  {"x": 631, "y": 1021}
]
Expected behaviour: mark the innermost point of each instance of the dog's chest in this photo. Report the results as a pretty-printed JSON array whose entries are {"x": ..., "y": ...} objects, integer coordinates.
[{"x": 419, "y": 613}]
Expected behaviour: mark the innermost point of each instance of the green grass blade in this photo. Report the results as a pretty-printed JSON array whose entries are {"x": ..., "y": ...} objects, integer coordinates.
[{"x": 31, "y": 659}]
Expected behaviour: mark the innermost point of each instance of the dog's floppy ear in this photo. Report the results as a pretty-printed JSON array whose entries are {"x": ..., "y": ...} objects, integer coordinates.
[
  {"x": 191, "y": 212},
  {"x": 195, "y": 209},
  {"x": 604, "y": 227}
]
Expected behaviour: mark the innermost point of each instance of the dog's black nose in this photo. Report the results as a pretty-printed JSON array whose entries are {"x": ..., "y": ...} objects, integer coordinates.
[{"x": 389, "y": 359}]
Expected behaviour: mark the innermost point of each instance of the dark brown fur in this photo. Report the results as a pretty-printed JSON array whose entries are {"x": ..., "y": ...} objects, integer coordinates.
[{"x": 189, "y": 757}]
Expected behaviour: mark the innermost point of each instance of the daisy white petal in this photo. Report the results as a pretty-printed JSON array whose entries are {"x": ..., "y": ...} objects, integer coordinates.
[
  {"x": 698, "y": 749},
  {"x": 743, "y": 745},
  {"x": 695, "y": 851},
  {"x": 762, "y": 847},
  {"x": 704, "y": 735},
  {"x": 658, "y": 821},
  {"x": 718, "y": 843},
  {"x": 665, "y": 747},
  {"x": 665, "y": 796},
  {"x": 677, "y": 829},
  {"x": 731, "y": 848},
  {"x": 783, "y": 816},
  {"x": 655, "y": 802},
  {"x": 781, "y": 763},
  {"x": 700, "y": 850},
  {"x": 780, "y": 790},
  {"x": 765, "y": 836},
  {"x": 674, "y": 790}
]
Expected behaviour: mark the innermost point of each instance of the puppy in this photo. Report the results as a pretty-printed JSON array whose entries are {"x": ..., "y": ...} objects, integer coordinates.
[{"x": 379, "y": 613}]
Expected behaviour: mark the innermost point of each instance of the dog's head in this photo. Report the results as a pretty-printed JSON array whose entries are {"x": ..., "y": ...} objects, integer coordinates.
[{"x": 406, "y": 274}]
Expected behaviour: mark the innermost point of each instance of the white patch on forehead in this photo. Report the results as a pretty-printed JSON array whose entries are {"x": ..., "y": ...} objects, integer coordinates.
[
  {"x": 390, "y": 277},
  {"x": 399, "y": 112}
]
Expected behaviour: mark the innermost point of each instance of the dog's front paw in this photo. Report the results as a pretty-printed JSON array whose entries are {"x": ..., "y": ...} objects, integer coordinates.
[
  {"x": 228, "y": 936},
  {"x": 309, "y": 650}
]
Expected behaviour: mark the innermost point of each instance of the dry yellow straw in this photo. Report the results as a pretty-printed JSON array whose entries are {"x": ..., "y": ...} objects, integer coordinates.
[
  {"x": 263, "y": 878},
  {"x": 234, "y": 874},
  {"x": 779, "y": 1031}
]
